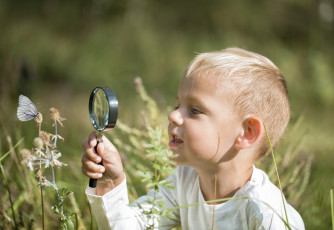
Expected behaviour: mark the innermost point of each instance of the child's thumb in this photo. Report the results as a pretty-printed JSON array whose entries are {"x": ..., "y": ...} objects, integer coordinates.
[{"x": 106, "y": 151}]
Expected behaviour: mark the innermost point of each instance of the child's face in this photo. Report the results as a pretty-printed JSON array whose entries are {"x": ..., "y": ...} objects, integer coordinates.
[{"x": 202, "y": 128}]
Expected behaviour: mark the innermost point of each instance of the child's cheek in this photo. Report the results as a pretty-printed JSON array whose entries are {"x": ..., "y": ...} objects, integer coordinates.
[{"x": 199, "y": 138}]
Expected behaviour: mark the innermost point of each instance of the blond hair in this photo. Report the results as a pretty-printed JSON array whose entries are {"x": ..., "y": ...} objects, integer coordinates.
[{"x": 256, "y": 85}]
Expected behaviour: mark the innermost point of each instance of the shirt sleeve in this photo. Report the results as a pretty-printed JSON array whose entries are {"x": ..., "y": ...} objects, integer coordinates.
[{"x": 113, "y": 211}]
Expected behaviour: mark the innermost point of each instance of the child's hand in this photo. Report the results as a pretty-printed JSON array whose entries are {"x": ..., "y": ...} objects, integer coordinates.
[{"x": 110, "y": 173}]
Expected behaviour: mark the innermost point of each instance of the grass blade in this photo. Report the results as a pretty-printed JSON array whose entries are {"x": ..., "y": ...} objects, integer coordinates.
[
  {"x": 91, "y": 217},
  {"x": 7, "y": 153},
  {"x": 10, "y": 198},
  {"x": 279, "y": 181},
  {"x": 332, "y": 207},
  {"x": 286, "y": 224}
]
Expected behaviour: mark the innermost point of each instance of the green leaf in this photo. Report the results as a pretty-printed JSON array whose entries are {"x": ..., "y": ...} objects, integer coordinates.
[{"x": 161, "y": 204}]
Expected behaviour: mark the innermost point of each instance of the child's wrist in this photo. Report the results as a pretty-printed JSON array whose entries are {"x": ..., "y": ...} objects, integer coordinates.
[{"x": 104, "y": 186}]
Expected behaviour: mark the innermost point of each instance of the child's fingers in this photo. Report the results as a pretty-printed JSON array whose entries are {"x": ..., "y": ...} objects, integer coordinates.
[
  {"x": 90, "y": 166},
  {"x": 92, "y": 140},
  {"x": 90, "y": 174},
  {"x": 107, "y": 151},
  {"x": 108, "y": 144},
  {"x": 90, "y": 153}
]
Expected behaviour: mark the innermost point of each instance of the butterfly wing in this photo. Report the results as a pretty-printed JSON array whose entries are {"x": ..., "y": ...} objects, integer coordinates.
[{"x": 26, "y": 110}]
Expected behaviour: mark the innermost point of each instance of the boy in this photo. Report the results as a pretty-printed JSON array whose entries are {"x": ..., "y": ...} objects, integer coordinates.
[{"x": 217, "y": 131}]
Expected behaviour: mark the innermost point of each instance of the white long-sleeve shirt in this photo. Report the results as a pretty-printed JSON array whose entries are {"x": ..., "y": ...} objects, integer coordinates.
[{"x": 112, "y": 210}]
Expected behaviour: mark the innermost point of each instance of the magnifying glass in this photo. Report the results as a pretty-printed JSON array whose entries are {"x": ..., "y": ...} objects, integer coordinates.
[{"x": 103, "y": 113}]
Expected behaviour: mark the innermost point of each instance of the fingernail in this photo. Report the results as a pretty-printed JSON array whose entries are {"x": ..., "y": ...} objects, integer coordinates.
[
  {"x": 98, "y": 159},
  {"x": 101, "y": 169}
]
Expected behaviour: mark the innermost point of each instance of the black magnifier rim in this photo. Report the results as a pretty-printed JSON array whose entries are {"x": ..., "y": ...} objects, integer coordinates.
[{"x": 113, "y": 107}]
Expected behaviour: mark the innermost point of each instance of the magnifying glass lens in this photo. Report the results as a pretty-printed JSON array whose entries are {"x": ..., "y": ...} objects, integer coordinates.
[{"x": 101, "y": 109}]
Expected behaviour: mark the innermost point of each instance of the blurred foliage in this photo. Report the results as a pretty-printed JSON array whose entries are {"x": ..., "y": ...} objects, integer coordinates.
[
  {"x": 57, "y": 51},
  {"x": 147, "y": 161}
]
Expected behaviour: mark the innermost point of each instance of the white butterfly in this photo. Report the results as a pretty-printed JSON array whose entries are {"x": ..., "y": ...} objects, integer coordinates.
[{"x": 26, "y": 110}]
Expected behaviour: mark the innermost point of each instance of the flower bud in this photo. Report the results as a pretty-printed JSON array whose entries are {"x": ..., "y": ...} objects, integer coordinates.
[
  {"x": 54, "y": 113},
  {"x": 38, "y": 143},
  {"x": 25, "y": 153},
  {"x": 55, "y": 116},
  {"x": 39, "y": 118},
  {"x": 45, "y": 137}
]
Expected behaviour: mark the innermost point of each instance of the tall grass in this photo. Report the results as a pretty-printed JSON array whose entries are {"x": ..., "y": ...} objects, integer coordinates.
[
  {"x": 278, "y": 178},
  {"x": 70, "y": 54},
  {"x": 332, "y": 207},
  {"x": 133, "y": 144},
  {"x": 43, "y": 155}
]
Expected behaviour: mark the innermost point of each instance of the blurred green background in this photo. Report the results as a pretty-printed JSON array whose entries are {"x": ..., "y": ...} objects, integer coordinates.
[{"x": 55, "y": 52}]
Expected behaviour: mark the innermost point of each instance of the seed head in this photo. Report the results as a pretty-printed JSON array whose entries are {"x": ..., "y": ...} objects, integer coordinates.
[
  {"x": 45, "y": 137},
  {"x": 54, "y": 113},
  {"x": 55, "y": 116},
  {"x": 25, "y": 153},
  {"x": 38, "y": 143},
  {"x": 39, "y": 118}
]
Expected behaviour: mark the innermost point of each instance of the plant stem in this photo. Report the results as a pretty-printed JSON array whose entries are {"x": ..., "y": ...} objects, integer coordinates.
[
  {"x": 214, "y": 204},
  {"x": 279, "y": 181},
  {"x": 39, "y": 129},
  {"x": 332, "y": 207},
  {"x": 10, "y": 198},
  {"x": 7, "y": 153},
  {"x": 40, "y": 166},
  {"x": 53, "y": 170},
  {"x": 91, "y": 217},
  {"x": 42, "y": 201},
  {"x": 79, "y": 223},
  {"x": 56, "y": 134},
  {"x": 230, "y": 198},
  {"x": 52, "y": 154}
]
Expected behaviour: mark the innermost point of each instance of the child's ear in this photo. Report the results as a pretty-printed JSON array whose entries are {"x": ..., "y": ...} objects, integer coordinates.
[{"x": 252, "y": 131}]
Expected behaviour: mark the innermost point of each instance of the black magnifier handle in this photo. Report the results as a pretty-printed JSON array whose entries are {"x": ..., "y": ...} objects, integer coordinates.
[{"x": 92, "y": 182}]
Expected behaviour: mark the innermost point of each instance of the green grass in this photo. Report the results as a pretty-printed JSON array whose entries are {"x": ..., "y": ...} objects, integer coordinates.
[
  {"x": 292, "y": 166},
  {"x": 68, "y": 53}
]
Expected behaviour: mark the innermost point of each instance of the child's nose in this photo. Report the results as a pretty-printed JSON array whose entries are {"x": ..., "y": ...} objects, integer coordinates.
[{"x": 176, "y": 117}]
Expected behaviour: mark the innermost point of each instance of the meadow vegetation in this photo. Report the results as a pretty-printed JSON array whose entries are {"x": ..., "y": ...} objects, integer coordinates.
[{"x": 56, "y": 52}]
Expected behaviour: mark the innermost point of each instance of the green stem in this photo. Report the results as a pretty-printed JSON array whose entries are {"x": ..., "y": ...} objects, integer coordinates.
[
  {"x": 53, "y": 172},
  {"x": 7, "y": 153},
  {"x": 227, "y": 199},
  {"x": 332, "y": 207},
  {"x": 279, "y": 181},
  {"x": 52, "y": 155},
  {"x": 56, "y": 132},
  {"x": 10, "y": 198},
  {"x": 42, "y": 201},
  {"x": 205, "y": 202},
  {"x": 91, "y": 217}
]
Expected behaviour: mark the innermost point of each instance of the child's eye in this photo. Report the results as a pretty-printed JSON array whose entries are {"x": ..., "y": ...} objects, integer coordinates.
[
  {"x": 176, "y": 107},
  {"x": 195, "y": 110}
]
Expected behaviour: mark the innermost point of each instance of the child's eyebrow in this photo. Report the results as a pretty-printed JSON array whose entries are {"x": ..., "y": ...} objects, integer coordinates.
[{"x": 191, "y": 99}]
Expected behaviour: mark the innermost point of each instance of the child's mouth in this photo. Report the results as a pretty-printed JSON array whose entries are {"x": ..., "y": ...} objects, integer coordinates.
[{"x": 175, "y": 141}]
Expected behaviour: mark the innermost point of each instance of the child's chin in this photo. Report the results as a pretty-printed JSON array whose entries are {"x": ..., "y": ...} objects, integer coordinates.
[{"x": 178, "y": 160}]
